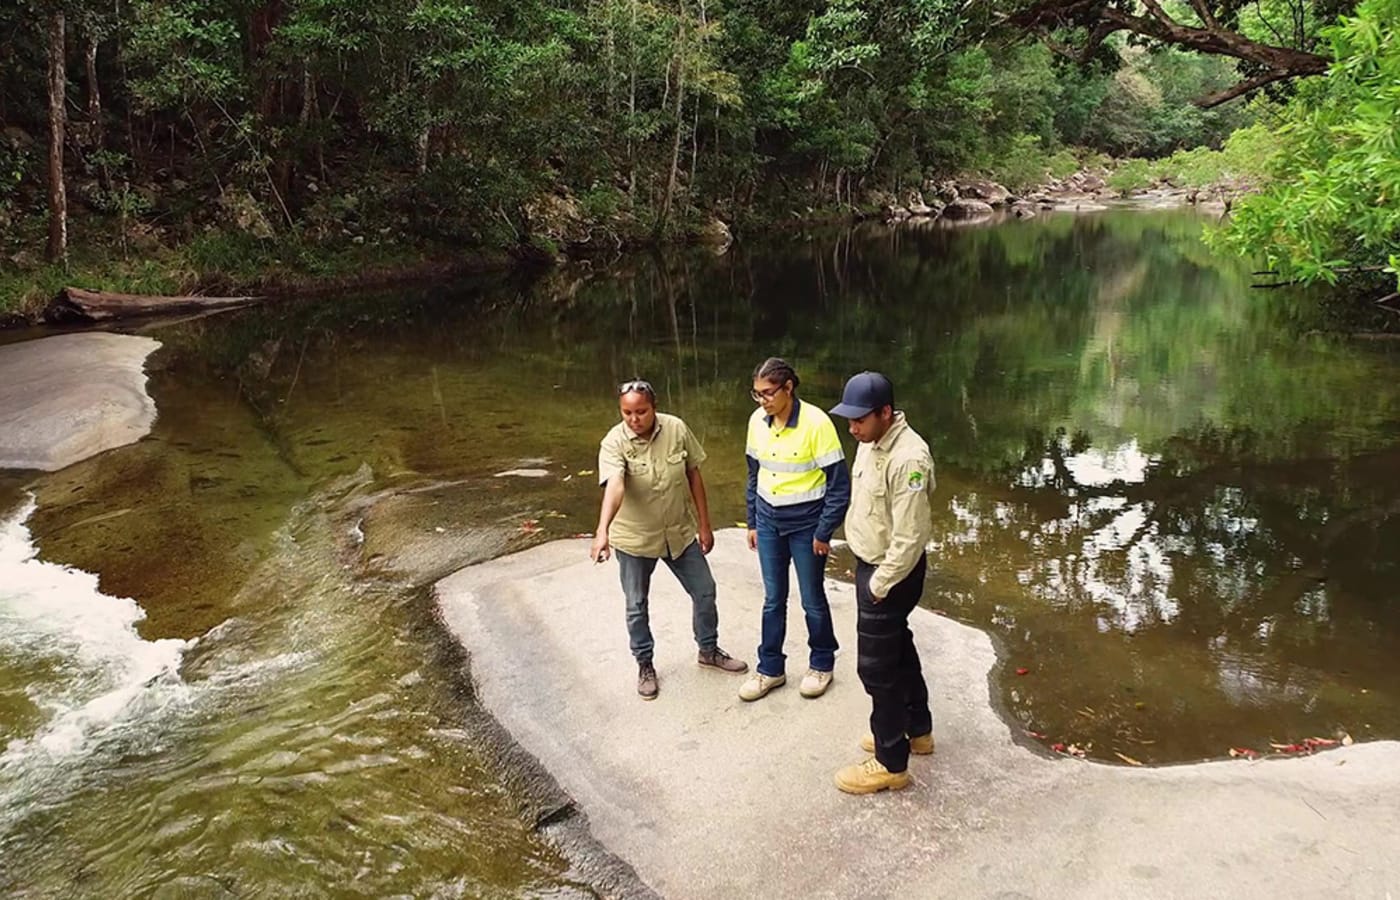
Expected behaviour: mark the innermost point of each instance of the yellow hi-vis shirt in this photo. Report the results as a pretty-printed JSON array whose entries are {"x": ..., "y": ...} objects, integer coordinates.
[
  {"x": 890, "y": 519},
  {"x": 791, "y": 454}
]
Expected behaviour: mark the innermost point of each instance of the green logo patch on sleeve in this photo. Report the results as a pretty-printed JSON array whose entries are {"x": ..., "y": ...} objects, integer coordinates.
[{"x": 916, "y": 480}]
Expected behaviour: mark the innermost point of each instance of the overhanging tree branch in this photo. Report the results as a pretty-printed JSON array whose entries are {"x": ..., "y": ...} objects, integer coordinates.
[
  {"x": 1244, "y": 87},
  {"x": 1104, "y": 17}
]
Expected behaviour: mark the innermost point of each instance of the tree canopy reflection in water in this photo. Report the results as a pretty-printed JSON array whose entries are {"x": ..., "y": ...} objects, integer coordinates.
[{"x": 1169, "y": 497}]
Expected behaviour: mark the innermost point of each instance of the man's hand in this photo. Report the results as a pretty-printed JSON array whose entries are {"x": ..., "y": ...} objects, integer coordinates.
[
  {"x": 601, "y": 550},
  {"x": 821, "y": 548},
  {"x": 707, "y": 539},
  {"x": 753, "y": 539}
]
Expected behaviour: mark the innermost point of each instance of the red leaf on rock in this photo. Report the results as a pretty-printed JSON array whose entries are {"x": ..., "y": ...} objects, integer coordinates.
[
  {"x": 1023, "y": 671},
  {"x": 1058, "y": 747}
]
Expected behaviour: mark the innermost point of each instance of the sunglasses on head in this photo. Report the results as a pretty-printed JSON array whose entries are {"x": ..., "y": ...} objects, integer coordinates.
[{"x": 628, "y": 387}]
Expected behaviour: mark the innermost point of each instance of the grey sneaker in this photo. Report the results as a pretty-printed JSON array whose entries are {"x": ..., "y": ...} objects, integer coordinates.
[
  {"x": 718, "y": 659},
  {"x": 646, "y": 681},
  {"x": 758, "y": 685},
  {"x": 814, "y": 683}
]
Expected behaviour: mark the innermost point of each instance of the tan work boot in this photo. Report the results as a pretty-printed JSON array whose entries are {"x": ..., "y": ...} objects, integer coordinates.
[
  {"x": 759, "y": 684},
  {"x": 922, "y": 745},
  {"x": 814, "y": 683},
  {"x": 718, "y": 659},
  {"x": 647, "y": 685},
  {"x": 869, "y": 777}
]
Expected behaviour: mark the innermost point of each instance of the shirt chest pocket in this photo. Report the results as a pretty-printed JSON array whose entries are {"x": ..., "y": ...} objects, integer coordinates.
[
  {"x": 870, "y": 485},
  {"x": 669, "y": 470}
]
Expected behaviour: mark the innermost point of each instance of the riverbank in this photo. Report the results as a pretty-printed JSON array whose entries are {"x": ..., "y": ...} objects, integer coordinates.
[
  {"x": 226, "y": 259},
  {"x": 233, "y": 263},
  {"x": 705, "y": 795}
]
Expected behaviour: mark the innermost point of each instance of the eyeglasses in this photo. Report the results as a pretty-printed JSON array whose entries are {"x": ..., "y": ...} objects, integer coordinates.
[
  {"x": 760, "y": 396},
  {"x": 628, "y": 387}
]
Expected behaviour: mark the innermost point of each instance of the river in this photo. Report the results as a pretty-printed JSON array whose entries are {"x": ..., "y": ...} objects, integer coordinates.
[{"x": 1172, "y": 499}]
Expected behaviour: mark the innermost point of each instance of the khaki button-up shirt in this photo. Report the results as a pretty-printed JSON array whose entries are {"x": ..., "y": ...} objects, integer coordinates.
[
  {"x": 890, "y": 520},
  {"x": 657, "y": 518}
]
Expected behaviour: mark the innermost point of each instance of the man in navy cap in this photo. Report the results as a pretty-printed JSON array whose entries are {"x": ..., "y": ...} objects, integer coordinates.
[{"x": 888, "y": 525}]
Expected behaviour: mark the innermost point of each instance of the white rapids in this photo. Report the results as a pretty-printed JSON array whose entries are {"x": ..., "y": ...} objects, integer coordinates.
[{"x": 83, "y": 666}]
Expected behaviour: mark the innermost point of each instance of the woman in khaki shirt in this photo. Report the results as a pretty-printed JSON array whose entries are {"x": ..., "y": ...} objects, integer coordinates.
[{"x": 654, "y": 507}]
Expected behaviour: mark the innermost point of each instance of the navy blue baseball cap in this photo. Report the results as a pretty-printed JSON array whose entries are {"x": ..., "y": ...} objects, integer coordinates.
[{"x": 864, "y": 393}]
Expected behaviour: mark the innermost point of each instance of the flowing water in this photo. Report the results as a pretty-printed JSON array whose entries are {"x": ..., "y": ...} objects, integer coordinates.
[{"x": 1173, "y": 501}]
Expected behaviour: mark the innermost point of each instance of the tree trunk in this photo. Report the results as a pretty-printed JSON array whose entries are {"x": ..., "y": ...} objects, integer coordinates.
[
  {"x": 680, "y": 127},
  {"x": 58, "y": 197},
  {"x": 632, "y": 109},
  {"x": 421, "y": 149},
  {"x": 94, "y": 104},
  {"x": 79, "y": 305}
]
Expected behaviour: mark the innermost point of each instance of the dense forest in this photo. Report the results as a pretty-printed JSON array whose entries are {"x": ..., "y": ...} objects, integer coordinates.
[{"x": 175, "y": 144}]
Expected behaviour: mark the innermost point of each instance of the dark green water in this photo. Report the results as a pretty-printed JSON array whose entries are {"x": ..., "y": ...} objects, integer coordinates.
[{"x": 1169, "y": 497}]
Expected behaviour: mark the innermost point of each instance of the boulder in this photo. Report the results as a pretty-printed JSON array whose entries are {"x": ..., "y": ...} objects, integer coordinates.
[
  {"x": 558, "y": 218},
  {"x": 1023, "y": 209},
  {"x": 988, "y": 191},
  {"x": 967, "y": 209},
  {"x": 69, "y": 397},
  {"x": 18, "y": 138},
  {"x": 716, "y": 234},
  {"x": 917, "y": 206},
  {"x": 244, "y": 213}
]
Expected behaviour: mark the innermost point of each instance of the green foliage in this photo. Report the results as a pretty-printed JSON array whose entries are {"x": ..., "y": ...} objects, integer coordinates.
[
  {"x": 1334, "y": 201},
  {"x": 601, "y": 202},
  {"x": 1131, "y": 175},
  {"x": 185, "y": 52},
  {"x": 448, "y": 120},
  {"x": 1024, "y": 163},
  {"x": 15, "y": 161},
  {"x": 1244, "y": 161}
]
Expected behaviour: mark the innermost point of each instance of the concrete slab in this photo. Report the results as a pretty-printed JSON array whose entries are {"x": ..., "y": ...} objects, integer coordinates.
[
  {"x": 69, "y": 397},
  {"x": 707, "y": 796}
]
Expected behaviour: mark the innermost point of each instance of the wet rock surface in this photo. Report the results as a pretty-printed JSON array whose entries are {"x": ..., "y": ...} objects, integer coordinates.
[
  {"x": 704, "y": 795},
  {"x": 69, "y": 397}
]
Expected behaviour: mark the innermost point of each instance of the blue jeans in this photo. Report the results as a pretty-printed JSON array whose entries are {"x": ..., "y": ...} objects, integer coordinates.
[
  {"x": 693, "y": 572},
  {"x": 775, "y": 552}
]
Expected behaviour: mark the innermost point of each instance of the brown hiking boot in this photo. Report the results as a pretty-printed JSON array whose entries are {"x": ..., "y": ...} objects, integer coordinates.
[
  {"x": 718, "y": 659},
  {"x": 869, "y": 777},
  {"x": 921, "y": 744},
  {"x": 646, "y": 681}
]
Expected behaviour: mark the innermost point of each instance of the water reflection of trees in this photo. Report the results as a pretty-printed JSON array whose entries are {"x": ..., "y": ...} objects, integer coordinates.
[
  {"x": 1273, "y": 579},
  {"x": 1156, "y": 482}
]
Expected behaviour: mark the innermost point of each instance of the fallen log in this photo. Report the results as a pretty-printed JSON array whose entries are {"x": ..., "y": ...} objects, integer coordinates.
[{"x": 78, "y": 305}]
